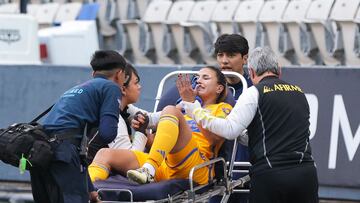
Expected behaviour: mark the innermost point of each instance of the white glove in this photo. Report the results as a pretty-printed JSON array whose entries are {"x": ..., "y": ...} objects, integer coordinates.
[{"x": 189, "y": 107}]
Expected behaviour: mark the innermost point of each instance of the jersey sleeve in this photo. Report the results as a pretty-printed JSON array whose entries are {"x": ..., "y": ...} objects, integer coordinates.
[{"x": 239, "y": 118}]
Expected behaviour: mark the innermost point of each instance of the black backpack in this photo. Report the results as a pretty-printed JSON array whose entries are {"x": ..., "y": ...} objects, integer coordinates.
[{"x": 26, "y": 145}]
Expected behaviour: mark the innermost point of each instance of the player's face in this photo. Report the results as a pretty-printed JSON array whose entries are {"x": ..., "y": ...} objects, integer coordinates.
[
  {"x": 208, "y": 87},
  {"x": 133, "y": 90},
  {"x": 231, "y": 61}
]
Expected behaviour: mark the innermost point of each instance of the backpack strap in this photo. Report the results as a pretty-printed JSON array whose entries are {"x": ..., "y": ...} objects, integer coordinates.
[{"x": 42, "y": 114}]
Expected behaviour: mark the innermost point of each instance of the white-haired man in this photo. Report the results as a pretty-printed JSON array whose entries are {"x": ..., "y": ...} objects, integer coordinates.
[{"x": 276, "y": 115}]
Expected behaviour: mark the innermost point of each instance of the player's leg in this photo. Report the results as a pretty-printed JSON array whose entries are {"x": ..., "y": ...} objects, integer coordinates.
[
  {"x": 172, "y": 135},
  {"x": 106, "y": 160}
]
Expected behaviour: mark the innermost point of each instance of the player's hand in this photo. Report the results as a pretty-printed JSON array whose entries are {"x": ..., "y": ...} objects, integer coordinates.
[
  {"x": 94, "y": 197},
  {"x": 187, "y": 93},
  {"x": 140, "y": 122}
]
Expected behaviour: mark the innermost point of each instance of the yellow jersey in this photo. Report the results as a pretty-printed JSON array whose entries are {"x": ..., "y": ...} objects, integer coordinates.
[{"x": 206, "y": 148}]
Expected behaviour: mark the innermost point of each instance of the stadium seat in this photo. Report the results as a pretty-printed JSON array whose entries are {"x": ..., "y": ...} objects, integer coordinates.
[
  {"x": 246, "y": 18},
  {"x": 343, "y": 13},
  {"x": 270, "y": 17},
  {"x": 357, "y": 36},
  {"x": 300, "y": 33},
  {"x": 122, "y": 40},
  {"x": 224, "y": 14},
  {"x": 180, "y": 12},
  {"x": 106, "y": 13},
  {"x": 155, "y": 14},
  {"x": 45, "y": 14},
  {"x": 135, "y": 36},
  {"x": 88, "y": 11},
  {"x": 60, "y": 1},
  {"x": 326, "y": 34},
  {"x": 68, "y": 12},
  {"x": 9, "y": 8},
  {"x": 202, "y": 30},
  {"x": 37, "y": 2},
  {"x": 4, "y": 1},
  {"x": 142, "y": 5},
  {"x": 32, "y": 9},
  {"x": 19, "y": 39},
  {"x": 135, "y": 9},
  {"x": 122, "y": 9},
  {"x": 140, "y": 40}
]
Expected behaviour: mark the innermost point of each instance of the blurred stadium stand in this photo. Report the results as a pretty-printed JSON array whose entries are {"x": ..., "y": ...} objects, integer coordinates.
[
  {"x": 246, "y": 19},
  {"x": 301, "y": 32},
  {"x": 183, "y": 48}
]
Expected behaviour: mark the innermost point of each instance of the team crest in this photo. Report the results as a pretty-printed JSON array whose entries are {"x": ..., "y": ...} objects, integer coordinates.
[{"x": 226, "y": 111}]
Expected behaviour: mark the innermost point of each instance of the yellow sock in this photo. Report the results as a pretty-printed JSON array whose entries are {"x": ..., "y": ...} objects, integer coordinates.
[
  {"x": 98, "y": 172},
  {"x": 166, "y": 136}
]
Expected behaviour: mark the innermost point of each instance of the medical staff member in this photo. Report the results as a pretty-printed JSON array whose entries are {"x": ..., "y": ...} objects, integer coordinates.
[
  {"x": 93, "y": 103},
  {"x": 276, "y": 114}
]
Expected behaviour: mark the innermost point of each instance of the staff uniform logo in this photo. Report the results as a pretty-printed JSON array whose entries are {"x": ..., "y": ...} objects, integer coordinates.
[{"x": 267, "y": 89}]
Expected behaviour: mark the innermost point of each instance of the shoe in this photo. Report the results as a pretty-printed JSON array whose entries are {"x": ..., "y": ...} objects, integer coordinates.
[{"x": 140, "y": 175}]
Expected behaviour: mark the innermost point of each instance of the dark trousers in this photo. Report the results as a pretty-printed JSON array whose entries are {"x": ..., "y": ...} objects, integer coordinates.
[
  {"x": 66, "y": 180},
  {"x": 298, "y": 184},
  {"x": 234, "y": 198}
]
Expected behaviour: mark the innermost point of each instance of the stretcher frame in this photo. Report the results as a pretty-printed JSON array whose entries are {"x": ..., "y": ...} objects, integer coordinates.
[{"x": 224, "y": 187}]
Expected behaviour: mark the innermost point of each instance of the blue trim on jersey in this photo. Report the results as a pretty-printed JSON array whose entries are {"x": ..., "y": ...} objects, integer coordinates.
[
  {"x": 193, "y": 126},
  {"x": 182, "y": 161}
]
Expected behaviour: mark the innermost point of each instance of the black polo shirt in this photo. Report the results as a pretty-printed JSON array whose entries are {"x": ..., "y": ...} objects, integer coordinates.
[{"x": 279, "y": 131}]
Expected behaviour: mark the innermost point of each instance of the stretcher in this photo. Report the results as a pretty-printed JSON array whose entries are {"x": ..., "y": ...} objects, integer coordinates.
[{"x": 118, "y": 189}]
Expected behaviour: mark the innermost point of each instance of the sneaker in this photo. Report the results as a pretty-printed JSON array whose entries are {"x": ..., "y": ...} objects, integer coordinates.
[{"x": 140, "y": 175}]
